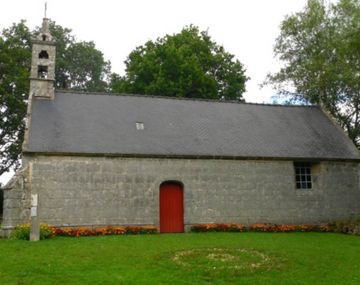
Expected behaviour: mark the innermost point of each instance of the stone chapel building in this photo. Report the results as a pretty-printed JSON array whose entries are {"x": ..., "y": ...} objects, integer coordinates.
[{"x": 94, "y": 159}]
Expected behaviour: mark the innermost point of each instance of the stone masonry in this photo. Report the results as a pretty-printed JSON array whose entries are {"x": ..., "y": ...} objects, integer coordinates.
[
  {"x": 42, "y": 74},
  {"x": 94, "y": 191}
]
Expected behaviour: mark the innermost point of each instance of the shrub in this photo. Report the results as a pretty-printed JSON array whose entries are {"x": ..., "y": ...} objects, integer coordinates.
[
  {"x": 260, "y": 228},
  {"x": 23, "y": 232},
  {"x": 118, "y": 230},
  {"x": 107, "y": 230},
  {"x": 149, "y": 230},
  {"x": 46, "y": 231},
  {"x": 218, "y": 228},
  {"x": 199, "y": 228},
  {"x": 134, "y": 230}
]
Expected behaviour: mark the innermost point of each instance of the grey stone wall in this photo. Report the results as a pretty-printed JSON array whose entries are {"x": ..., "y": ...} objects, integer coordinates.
[
  {"x": 16, "y": 204},
  {"x": 42, "y": 87},
  {"x": 111, "y": 191}
]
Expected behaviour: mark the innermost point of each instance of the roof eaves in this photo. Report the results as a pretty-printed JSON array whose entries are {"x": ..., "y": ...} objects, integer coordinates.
[{"x": 180, "y": 156}]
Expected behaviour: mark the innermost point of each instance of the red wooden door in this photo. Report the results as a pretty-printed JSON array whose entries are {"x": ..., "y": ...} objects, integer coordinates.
[{"x": 171, "y": 208}]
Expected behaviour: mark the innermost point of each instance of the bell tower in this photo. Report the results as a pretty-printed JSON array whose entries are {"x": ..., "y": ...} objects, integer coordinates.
[{"x": 42, "y": 74}]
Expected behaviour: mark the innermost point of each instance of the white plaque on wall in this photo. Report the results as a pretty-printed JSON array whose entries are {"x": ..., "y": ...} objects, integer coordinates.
[
  {"x": 33, "y": 211},
  {"x": 34, "y": 200}
]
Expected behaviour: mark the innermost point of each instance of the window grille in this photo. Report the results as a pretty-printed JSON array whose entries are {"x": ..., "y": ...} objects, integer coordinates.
[{"x": 303, "y": 175}]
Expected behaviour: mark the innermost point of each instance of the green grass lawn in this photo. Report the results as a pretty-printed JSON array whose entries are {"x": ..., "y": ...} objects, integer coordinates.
[{"x": 203, "y": 258}]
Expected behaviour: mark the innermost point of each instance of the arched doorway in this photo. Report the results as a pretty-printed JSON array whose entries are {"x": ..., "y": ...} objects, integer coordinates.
[{"x": 171, "y": 207}]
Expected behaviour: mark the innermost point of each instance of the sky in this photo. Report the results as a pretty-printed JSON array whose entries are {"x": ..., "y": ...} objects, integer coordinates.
[{"x": 246, "y": 28}]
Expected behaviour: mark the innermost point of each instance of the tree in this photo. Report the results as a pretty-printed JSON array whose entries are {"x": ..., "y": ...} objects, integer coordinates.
[
  {"x": 188, "y": 64},
  {"x": 15, "y": 57},
  {"x": 79, "y": 65},
  {"x": 320, "y": 51}
]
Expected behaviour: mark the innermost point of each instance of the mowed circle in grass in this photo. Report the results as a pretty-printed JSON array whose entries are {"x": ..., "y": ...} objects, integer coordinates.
[{"x": 241, "y": 260}]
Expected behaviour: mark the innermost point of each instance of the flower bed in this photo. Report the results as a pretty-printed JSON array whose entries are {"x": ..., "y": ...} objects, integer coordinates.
[
  {"x": 47, "y": 231},
  {"x": 261, "y": 228},
  {"x": 218, "y": 228},
  {"x": 108, "y": 230}
]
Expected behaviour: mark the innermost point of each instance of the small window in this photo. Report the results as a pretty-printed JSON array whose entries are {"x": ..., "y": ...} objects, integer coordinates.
[
  {"x": 42, "y": 72},
  {"x": 43, "y": 37},
  {"x": 43, "y": 54},
  {"x": 139, "y": 126},
  {"x": 303, "y": 175}
]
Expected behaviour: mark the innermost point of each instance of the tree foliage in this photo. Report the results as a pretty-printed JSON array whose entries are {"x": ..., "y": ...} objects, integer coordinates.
[
  {"x": 79, "y": 65},
  {"x": 320, "y": 51},
  {"x": 15, "y": 58},
  {"x": 188, "y": 64}
]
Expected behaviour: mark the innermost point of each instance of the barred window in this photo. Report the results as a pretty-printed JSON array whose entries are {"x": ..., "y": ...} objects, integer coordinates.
[
  {"x": 303, "y": 175},
  {"x": 42, "y": 72}
]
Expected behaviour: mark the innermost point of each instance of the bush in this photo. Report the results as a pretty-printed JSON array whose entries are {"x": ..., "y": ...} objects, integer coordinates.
[
  {"x": 108, "y": 230},
  {"x": 46, "y": 231},
  {"x": 135, "y": 230},
  {"x": 23, "y": 232},
  {"x": 260, "y": 228},
  {"x": 218, "y": 228}
]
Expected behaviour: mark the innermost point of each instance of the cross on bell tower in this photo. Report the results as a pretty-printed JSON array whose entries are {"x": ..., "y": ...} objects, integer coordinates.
[{"x": 42, "y": 74}]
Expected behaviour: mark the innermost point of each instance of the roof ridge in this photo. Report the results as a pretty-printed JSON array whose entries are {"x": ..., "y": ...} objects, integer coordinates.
[{"x": 179, "y": 98}]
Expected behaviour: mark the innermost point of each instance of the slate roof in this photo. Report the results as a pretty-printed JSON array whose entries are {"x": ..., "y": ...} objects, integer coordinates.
[{"x": 106, "y": 124}]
